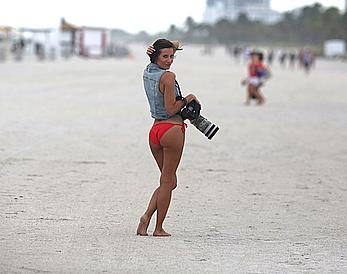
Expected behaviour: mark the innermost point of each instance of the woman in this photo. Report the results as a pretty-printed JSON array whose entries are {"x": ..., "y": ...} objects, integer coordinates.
[
  {"x": 166, "y": 137},
  {"x": 258, "y": 73}
]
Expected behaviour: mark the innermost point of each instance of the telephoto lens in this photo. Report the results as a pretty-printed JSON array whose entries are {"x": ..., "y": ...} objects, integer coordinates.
[{"x": 208, "y": 128}]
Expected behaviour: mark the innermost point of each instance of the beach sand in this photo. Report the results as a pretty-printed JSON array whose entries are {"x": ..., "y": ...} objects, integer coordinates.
[{"x": 267, "y": 195}]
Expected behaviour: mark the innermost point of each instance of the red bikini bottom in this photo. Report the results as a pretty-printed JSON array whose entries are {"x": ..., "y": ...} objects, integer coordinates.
[{"x": 158, "y": 130}]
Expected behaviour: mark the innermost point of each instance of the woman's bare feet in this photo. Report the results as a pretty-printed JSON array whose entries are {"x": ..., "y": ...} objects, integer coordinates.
[
  {"x": 261, "y": 102},
  {"x": 161, "y": 233},
  {"x": 142, "y": 227}
]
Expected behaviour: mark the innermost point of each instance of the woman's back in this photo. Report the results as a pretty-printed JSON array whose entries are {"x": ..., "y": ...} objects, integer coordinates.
[{"x": 151, "y": 81}]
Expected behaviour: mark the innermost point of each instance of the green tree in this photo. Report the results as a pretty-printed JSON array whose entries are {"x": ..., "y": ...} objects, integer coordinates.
[{"x": 190, "y": 24}]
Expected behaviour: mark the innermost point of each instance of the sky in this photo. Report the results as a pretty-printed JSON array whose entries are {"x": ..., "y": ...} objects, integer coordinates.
[{"x": 130, "y": 15}]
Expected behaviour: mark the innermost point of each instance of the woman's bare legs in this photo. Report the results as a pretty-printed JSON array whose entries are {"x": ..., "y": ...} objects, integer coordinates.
[
  {"x": 260, "y": 97},
  {"x": 250, "y": 93},
  {"x": 253, "y": 91},
  {"x": 146, "y": 217},
  {"x": 172, "y": 142},
  {"x": 157, "y": 151},
  {"x": 171, "y": 149}
]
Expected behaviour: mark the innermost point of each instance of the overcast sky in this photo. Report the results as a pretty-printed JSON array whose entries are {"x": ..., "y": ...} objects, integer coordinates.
[{"x": 130, "y": 15}]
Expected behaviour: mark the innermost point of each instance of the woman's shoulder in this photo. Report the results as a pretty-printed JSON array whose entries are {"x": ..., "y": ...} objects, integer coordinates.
[{"x": 168, "y": 76}]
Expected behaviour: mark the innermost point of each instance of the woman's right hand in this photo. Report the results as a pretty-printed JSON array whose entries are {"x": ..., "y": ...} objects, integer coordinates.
[{"x": 150, "y": 50}]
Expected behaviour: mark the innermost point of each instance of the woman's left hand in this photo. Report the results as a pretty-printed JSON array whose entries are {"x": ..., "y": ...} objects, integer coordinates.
[
  {"x": 150, "y": 50},
  {"x": 191, "y": 97}
]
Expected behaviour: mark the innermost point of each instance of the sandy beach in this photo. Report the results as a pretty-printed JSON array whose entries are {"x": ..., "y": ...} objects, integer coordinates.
[{"x": 267, "y": 195}]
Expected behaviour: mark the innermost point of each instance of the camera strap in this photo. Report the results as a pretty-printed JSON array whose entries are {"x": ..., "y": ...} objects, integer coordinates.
[{"x": 178, "y": 88}]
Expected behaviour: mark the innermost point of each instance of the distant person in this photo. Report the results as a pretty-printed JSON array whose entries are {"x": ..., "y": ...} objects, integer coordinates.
[
  {"x": 258, "y": 73},
  {"x": 18, "y": 49},
  {"x": 237, "y": 50},
  {"x": 270, "y": 57},
  {"x": 247, "y": 53},
  {"x": 282, "y": 58},
  {"x": 307, "y": 59},
  {"x": 2, "y": 48},
  {"x": 292, "y": 59},
  {"x": 167, "y": 135},
  {"x": 22, "y": 43},
  {"x": 39, "y": 51}
]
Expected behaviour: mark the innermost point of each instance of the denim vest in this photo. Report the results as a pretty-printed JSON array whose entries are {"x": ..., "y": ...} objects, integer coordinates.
[{"x": 151, "y": 82}]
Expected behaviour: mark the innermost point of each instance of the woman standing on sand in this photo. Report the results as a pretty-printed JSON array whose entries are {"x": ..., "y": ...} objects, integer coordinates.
[
  {"x": 258, "y": 74},
  {"x": 166, "y": 137}
]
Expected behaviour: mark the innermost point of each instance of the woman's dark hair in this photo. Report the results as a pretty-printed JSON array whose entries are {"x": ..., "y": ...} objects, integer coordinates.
[
  {"x": 261, "y": 56},
  {"x": 158, "y": 45}
]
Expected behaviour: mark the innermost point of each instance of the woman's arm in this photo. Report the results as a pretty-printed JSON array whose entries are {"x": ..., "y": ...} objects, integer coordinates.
[
  {"x": 167, "y": 87},
  {"x": 252, "y": 70}
]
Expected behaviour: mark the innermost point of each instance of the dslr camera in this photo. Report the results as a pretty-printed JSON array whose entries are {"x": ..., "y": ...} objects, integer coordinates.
[{"x": 192, "y": 112}]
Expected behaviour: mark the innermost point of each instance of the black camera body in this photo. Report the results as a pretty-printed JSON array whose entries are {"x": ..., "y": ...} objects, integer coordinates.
[
  {"x": 192, "y": 113},
  {"x": 191, "y": 110}
]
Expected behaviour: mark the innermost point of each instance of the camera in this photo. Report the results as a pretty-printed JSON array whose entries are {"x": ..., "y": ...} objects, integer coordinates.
[{"x": 192, "y": 112}]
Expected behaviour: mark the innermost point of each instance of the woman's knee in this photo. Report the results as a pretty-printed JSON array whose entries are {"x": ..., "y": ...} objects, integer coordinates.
[{"x": 168, "y": 181}]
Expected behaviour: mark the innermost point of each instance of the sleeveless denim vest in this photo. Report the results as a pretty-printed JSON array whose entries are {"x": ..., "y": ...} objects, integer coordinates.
[{"x": 151, "y": 82}]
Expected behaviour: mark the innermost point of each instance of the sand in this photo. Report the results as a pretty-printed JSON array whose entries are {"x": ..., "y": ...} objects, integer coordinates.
[{"x": 267, "y": 195}]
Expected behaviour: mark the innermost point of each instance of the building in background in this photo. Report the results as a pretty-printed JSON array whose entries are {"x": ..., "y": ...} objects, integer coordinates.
[
  {"x": 92, "y": 41},
  {"x": 335, "y": 48},
  {"x": 5, "y": 42},
  {"x": 259, "y": 10}
]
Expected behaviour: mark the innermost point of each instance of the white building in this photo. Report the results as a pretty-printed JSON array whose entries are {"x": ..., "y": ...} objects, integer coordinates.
[
  {"x": 231, "y": 9},
  {"x": 335, "y": 48}
]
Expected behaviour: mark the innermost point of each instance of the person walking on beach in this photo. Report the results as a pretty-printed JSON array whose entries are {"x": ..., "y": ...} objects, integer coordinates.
[
  {"x": 306, "y": 58},
  {"x": 167, "y": 134},
  {"x": 258, "y": 73},
  {"x": 282, "y": 58},
  {"x": 270, "y": 57}
]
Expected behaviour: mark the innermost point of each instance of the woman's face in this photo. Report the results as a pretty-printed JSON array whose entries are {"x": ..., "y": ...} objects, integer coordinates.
[
  {"x": 165, "y": 58},
  {"x": 255, "y": 59}
]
